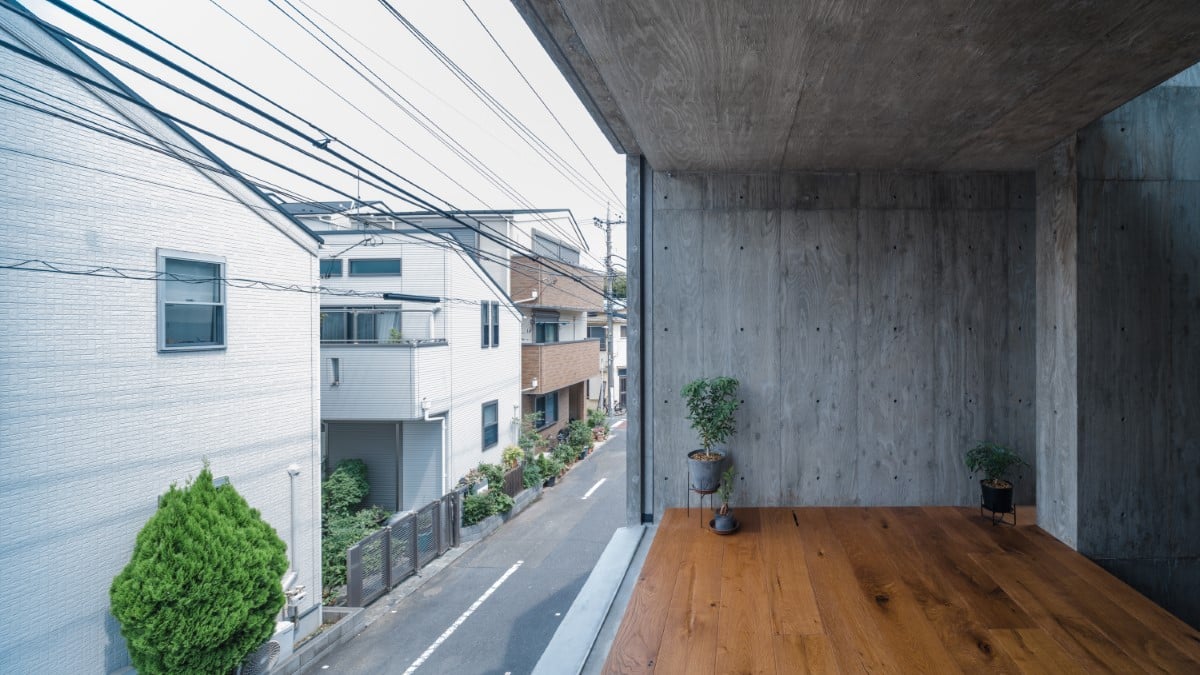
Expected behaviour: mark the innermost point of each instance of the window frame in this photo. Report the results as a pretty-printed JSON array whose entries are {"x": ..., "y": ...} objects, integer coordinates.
[
  {"x": 543, "y": 398},
  {"x": 351, "y": 273},
  {"x": 341, "y": 271},
  {"x": 495, "y": 324},
  {"x": 484, "y": 425},
  {"x": 603, "y": 337},
  {"x": 162, "y": 255},
  {"x": 352, "y": 324},
  {"x": 485, "y": 333}
]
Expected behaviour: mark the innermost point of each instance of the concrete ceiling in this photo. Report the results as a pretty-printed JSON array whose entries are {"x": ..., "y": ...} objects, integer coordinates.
[{"x": 763, "y": 85}]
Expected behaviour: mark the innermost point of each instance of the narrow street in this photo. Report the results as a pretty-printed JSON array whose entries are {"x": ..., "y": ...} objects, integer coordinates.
[{"x": 495, "y": 609}]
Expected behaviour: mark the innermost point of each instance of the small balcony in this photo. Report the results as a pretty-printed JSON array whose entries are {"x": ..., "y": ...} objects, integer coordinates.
[
  {"x": 383, "y": 380},
  {"x": 558, "y": 364}
]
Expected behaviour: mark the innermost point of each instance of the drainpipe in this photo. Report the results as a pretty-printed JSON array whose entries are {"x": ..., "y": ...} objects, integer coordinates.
[
  {"x": 445, "y": 451},
  {"x": 293, "y": 471}
]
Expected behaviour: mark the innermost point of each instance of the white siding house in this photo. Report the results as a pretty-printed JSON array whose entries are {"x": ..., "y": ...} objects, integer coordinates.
[
  {"x": 423, "y": 383},
  {"x": 114, "y": 384},
  {"x": 598, "y": 328}
]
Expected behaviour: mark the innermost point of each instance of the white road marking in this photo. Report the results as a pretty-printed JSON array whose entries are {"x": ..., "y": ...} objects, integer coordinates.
[
  {"x": 463, "y": 617},
  {"x": 598, "y": 484}
]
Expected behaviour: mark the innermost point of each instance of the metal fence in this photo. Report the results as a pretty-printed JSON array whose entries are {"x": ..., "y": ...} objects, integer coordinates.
[
  {"x": 383, "y": 559},
  {"x": 514, "y": 481}
]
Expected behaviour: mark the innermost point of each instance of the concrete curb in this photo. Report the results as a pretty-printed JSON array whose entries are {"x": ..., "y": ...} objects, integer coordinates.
[{"x": 572, "y": 642}]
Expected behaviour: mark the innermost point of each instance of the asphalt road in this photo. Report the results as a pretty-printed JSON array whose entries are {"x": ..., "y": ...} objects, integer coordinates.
[{"x": 494, "y": 610}]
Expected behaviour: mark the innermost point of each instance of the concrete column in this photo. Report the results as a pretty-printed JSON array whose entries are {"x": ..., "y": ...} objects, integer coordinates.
[{"x": 1119, "y": 343}]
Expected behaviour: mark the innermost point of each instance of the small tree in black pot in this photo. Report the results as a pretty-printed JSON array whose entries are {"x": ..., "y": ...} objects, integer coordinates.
[
  {"x": 711, "y": 404},
  {"x": 995, "y": 462},
  {"x": 723, "y": 520}
]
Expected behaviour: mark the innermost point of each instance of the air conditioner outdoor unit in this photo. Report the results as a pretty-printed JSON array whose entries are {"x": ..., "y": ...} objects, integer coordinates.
[{"x": 278, "y": 648}]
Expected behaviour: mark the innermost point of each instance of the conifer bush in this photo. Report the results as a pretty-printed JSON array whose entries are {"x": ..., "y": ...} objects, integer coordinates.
[{"x": 202, "y": 589}]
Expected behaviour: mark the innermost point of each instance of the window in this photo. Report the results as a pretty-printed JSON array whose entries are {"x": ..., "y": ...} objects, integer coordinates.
[
  {"x": 191, "y": 302},
  {"x": 495, "y": 324},
  {"x": 331, "y": 268},
  {"x": 548, "y": 407},
  {"x": 543, "y": 245},
  {"x": 491, "y": 424},
  {"x": 360, "y": 325},
  {"x": 624, "y": 332},
  {"x": 546, "y": 332},
  {"x": 489, "y": 323},
  {"x": 599, "y": 332},
  {"x": 375, "y": 267}
]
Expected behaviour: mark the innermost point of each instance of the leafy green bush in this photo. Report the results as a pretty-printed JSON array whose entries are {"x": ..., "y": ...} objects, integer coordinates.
[
  {"x": 343, "y": 519},
  {"x": 532, "y": 475},
  {"x": 203, "y": 586},
  {"x": 994, "y": 461},
  {"x": 711, "y": 404},
  {"x": 530, "y": 440},
  {"x": 512, "y": 456},
  {"x": 477, "y": 507},
  {"x": 566, "y": 454},
  {"x": 579, "y": 435},
  {"x": 340, "y": 532},
  {"x": 346, "y": 488},
  {"x": 495, "y": 475},
  {"x": 549, "y": 466},
  {"x": 597, "y": 418}
]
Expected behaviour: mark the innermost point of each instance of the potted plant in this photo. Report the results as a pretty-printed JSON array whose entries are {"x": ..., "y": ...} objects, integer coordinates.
[
  {"x": 994, "y": 461},
  {"x": 711, "y": 403},
  {"x": 723, "y": 520}
]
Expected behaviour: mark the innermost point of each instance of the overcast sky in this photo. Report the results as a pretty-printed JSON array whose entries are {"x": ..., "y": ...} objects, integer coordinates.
[{"x": 381, "y": 130}]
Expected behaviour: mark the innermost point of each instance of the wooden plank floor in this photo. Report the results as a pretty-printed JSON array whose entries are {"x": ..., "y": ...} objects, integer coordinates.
[{"x": 885, "y": 590}]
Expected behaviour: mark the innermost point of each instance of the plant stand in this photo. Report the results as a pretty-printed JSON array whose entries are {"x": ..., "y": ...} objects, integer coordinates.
[
  {"x": 998, "y": 516},
  {"x": 701, "y": 494}
]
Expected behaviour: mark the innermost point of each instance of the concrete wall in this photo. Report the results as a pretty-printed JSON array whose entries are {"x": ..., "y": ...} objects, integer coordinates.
[
  {"x": 1135, "y": 198},
  {"x": 96, "y": 423},
  {"x": 880, "y": 324}
]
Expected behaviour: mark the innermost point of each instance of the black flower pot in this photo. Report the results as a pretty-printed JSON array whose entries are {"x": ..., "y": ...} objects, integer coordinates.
[
  {"x": 996, "y": 499},
  {"x": 724, "y": 523},
  {"x": 705, "y": 474}
]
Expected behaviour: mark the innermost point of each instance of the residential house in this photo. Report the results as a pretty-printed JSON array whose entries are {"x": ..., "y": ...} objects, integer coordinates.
[
  {"x": 905, "y": 228},
  {"x": 598, "y": 329},
  {"x": 535, "y": 257},
  {"x": 420, "y": 376},
  {"x": 118, "y": 376}
]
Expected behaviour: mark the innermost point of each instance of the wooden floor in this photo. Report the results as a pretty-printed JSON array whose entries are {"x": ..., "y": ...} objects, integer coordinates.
[{"x": 889, "y": 590}]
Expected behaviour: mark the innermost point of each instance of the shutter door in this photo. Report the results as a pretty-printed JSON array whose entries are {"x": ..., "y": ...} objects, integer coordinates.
[
  {"x": 422, "y": 457},
  {"x": 375, "y": 445}
]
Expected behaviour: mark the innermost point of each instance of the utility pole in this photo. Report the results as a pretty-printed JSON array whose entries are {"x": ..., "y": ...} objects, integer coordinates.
[{"x": 609, "y": 275}]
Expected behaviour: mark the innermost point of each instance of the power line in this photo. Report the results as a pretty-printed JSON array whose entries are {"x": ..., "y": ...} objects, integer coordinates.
[
  {"x": 395, "y": 190},
  {"x": 541, "y": 100}
]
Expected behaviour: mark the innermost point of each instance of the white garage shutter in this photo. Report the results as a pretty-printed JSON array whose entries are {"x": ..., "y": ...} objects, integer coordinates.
[{"x": 422, "y": 459}]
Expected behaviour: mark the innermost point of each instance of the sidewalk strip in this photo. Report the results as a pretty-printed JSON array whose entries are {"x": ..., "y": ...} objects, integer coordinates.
[
  {"x": 598, "y": 484},
  {"x": 459, "y": 621}
]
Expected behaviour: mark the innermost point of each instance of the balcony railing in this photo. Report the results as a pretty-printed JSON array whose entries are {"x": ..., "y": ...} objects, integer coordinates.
[
  {"x": 559, "y": 364},
  {"x": 402, "y": 342}
]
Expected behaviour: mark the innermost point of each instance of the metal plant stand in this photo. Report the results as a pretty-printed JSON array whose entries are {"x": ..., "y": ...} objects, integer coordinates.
[
  {"x": 701, "y": 494},
  {"x": 998, "y": 516}
]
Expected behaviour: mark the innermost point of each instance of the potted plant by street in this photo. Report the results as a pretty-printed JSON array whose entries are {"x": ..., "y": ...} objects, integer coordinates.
[
  {"x": 723, "y": 520},
  {"x": 994, "y": 461},
  {"x": 711, "y": 403}
]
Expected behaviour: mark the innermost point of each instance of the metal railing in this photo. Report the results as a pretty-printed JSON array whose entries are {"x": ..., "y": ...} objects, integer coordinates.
[{"x": 383, "y": 559}]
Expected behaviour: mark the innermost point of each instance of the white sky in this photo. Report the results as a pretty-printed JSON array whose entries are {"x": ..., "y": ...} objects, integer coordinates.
[{"x": 201, "y": 27}]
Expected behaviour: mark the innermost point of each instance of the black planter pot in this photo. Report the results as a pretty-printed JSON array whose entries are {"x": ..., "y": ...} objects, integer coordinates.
[
  {"x": 996, "y": 499},
  {"x": 724, "y": 523},
  {"x": 705, "y": 475}
]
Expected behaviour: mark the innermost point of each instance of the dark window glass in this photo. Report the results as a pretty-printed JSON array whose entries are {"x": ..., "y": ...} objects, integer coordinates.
[
  {"x": 375, "y": 267},
  {"x": 484, "y": 313},
  {"x": 192, "y": 304},
  {"x": 547, "y": 332},
  {"x": 495, "y": 324},
  {"x": 333, "y": 327},
  {"x": 491, "y": 424},
  {"x": 548, "y": 407},
  {"x": 598, "y": 332},
  {"x": 331, "y": 268}
]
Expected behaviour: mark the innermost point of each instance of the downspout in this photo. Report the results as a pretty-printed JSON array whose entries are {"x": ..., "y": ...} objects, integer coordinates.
[{"x": 438, "y": 418}]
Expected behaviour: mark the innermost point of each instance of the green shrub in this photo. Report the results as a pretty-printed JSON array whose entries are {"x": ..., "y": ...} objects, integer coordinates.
[
  {"x": 530, "y": 440},
  {"x": 495, "y": 475},
  {"x": 579, "y": 435},
  {"x": 203, "y": 586},
  {"x": 597, "y": 418},
  {"x": 340, "y": 532},
  {"x": 512, "y": 456},
  {"x": 566, "y": 454},
  {"x": 346, "y": 488},
  {"x": 549, "y": 466},
  {"x": 532, "y": 475},
  {"x": 478, "y": 507}
]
